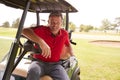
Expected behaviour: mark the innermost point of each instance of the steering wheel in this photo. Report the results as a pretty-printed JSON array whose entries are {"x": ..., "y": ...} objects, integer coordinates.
[{"x": 30, "y": 46}]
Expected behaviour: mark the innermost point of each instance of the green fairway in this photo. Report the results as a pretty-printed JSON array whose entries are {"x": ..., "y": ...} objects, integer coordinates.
[
  {"x": 96, "y": 62},
  {"x": 4, "y": 47},
  {"x": 9, "y": 32}
]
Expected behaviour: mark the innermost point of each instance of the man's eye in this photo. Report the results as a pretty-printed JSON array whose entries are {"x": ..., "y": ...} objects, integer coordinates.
[{"x": 54, "y": 23}]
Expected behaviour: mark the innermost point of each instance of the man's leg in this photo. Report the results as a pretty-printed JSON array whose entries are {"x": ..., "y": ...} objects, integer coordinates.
[
  {"x": 35, "y": 71},
  {"x": 57, "y": 72}
]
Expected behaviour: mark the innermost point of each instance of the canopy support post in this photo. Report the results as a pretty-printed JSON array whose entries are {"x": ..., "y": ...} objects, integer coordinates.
[{"x": 15, "y": 45}]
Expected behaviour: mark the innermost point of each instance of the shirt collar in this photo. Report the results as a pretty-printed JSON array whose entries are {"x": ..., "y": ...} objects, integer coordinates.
[{"x": 50, "y": 33}]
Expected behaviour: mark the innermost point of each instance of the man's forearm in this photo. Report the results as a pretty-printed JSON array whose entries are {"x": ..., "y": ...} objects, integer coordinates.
[
  {"x": 27, "y": 32},
  {"x": 70, "y": 50}
]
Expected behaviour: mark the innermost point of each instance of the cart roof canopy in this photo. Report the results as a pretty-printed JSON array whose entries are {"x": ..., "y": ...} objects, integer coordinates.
[{"x": 42, "y": 6}]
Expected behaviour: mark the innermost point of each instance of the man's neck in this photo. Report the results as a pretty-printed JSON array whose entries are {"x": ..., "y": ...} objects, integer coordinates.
[{"x": 55, "y": 33}]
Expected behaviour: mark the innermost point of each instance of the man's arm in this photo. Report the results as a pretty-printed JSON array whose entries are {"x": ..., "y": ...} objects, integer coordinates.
[
  {"x": 29, "y": 33},
  {"x": 70, "y": 50},
  {"x": 66, "y": 52}
]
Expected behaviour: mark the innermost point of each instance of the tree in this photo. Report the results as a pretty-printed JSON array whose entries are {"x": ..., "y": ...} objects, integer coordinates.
[
  {"x": 117, "y": 21},
  {"x": 6, "y": 24},
  {"x": 64, "y": 21},
  {"x": 72, "y": 26},
  {"x": 81, "y": 28},
  {"x": 85, "y": 28},
  {"x": 106, "y": 24},
  {"x": 15, "y": 23}
]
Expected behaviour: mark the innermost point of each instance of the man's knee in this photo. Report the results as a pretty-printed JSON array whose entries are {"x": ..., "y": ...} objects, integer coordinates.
[{"x": 46, "y": 77}]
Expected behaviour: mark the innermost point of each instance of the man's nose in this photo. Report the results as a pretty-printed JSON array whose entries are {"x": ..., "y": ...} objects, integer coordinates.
[{"x": 55, "y": 24}]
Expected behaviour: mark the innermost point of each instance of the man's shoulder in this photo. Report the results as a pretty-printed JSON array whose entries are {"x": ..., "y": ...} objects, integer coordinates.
[{"x": 63, "y": 30}]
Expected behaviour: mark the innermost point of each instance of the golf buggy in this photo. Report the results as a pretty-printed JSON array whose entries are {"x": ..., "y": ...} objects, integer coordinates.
[{"x": 14, "y": 65}]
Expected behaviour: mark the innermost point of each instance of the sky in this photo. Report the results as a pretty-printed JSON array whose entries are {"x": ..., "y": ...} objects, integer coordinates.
[{"x": 90, "y": 12}]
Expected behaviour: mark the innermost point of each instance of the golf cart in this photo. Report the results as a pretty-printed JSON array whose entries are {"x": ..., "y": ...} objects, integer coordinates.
[{"x": 14, "y": 65}]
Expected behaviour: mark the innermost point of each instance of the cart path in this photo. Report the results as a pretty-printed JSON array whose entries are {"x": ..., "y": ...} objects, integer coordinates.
[
  {"x": 9, "y": 38},
  {"x": 115, "y": 40},
  {"x": 96, "y": 37},
  {"x": 83, "y": 36}
]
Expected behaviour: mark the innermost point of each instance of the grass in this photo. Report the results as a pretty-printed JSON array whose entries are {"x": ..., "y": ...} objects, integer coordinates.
[
  {"x": 96, "y": 62},
  {"x": 8, "y": 32},
  {"x": 6, "y": 43},
  {"x": 4, "y": 48}
]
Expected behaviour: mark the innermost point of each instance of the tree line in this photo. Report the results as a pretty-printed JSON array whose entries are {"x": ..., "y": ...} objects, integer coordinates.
[
  {"x": 105, "y": 25},
  {"x": 15, "y": 24}
]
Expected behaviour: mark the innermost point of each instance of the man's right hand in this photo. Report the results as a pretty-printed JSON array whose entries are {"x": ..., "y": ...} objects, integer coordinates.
[{"x": 46, "y": 51}]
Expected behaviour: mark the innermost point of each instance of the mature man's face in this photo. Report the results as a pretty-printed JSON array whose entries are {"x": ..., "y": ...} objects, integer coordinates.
[{"x": 55, "y": 23}]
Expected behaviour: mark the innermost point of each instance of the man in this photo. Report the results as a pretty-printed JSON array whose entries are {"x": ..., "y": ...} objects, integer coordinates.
[{"x": 51, "y": 39}]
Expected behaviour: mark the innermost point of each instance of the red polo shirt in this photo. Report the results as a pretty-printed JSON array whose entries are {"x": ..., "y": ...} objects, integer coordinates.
[{"x": 56, "y": 43}]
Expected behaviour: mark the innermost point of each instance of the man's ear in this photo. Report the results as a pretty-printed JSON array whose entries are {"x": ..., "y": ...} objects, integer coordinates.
[
  {"x": 48, "y": 21},
  {"x": 62, "y": 23}
]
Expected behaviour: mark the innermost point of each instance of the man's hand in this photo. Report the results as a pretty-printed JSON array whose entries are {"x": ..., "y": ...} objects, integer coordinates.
[{"x": 46, "y": 51}]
